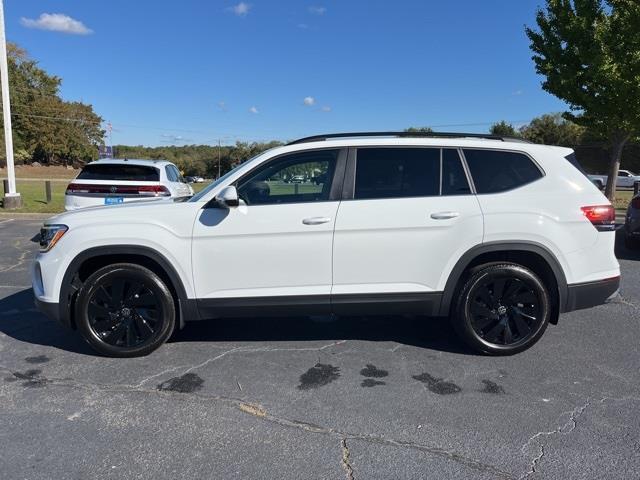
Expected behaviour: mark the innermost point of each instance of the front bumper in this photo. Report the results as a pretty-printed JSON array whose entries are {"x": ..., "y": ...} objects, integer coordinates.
[
  {"x": 591, "y": 294},
  {"x": 51, "y": 310}
]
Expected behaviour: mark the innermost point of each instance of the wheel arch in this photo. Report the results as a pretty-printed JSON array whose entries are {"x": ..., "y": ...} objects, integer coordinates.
[
  {"x": 90, "y": 260},
  {"x": 535, "y": 256}
]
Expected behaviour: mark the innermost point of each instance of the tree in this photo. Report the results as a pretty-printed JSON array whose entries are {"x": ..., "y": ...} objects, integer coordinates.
[
  {"x": 553, "y": 129},
  {"x": 419, "y": 130},
  {"x": 589, "y": 53},
  {"x": 503, "y": 129},
  {"x": 45, "y": 127}
]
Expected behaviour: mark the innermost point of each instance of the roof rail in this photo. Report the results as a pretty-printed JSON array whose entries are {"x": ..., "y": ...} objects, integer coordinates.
[{"x": 485, "y": 136}]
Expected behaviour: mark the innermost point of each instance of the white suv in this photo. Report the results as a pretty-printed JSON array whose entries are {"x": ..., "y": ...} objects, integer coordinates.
[
  {"x": 115, "y": 181},
  {"x": 499, "y": 235}
]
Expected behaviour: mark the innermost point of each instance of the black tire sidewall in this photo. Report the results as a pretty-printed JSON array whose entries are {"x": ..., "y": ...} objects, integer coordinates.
[
  {"x": 462, "y": 319},
  {"x": 136, "y": 272}
]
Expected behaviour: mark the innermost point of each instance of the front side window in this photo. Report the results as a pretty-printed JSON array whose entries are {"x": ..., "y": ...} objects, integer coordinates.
[
  {"x": 495, "y": 171},
  {"x": 297, "y": 178},
  {"x": 397, "y": 172}
]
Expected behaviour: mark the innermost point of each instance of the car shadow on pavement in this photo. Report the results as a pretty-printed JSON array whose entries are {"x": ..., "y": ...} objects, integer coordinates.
[
  {"x": 622, "y": 252},
  {"x": 20, "y": 320}
]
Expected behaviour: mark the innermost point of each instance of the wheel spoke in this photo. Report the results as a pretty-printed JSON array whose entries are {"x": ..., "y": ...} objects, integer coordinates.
[
  {"x": 144, "y": 328},
  {"x": 115, "y": 335},
  {"x": 147, "y": 299},
  {"x": 478, "y": 309},
  {"x": 98, "y": 311},
  {"x": 130, "y": 337},
  {"x": 495, "y": 331},
  {"x": 508, "y": 334},
  {"x": 117, "y": 292},
  {"x": 482, "y": 324},
  {"x": 485, "y": 296},
  {"x": 521, "y": 326},
  {"x": 498, "y": 288}
]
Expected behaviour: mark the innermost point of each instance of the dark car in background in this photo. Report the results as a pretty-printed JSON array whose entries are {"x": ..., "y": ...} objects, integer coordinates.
[{"x": 632, "y": 224}]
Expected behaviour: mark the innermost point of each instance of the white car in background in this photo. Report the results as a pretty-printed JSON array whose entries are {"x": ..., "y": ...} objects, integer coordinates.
[
  {"x": 626, "y": 179},
  {"x": 115, "y": 181}
]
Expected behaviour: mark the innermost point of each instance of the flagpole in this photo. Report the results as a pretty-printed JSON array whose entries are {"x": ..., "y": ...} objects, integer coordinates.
[{"x": 12, "y": 198}]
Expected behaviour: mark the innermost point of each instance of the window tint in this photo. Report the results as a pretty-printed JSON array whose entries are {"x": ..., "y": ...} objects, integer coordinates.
[
  {"x": 397, "y": 172},
  {"x": 176, "y": 173},
  {"x": 302, "y": 177},
  {"x": 495, "y": 171},
  {"x": 171, "y": 174},
  {"x": 113, "y": 171},
  {"x": 454, "y": 180}
]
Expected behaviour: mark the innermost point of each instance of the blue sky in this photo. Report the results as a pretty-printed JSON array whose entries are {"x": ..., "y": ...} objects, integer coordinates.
[{"x": 193, "y": 71}]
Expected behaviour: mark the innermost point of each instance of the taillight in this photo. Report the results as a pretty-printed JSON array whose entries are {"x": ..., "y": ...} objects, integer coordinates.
[
  {"x": 635, "y": 203},
  {"x": 142, "y": 190},
  {"x": 603, "y": 217},
  {"x": 154, "y": 190}
]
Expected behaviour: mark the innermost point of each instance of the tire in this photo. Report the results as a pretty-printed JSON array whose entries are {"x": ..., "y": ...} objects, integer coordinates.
[
  {"x": 509, "y": 322},
  {"x": 125, "y": 310}
]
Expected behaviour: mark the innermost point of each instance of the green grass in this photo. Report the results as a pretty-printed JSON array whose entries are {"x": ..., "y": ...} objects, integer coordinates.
[{"x": 33, "y": 196}]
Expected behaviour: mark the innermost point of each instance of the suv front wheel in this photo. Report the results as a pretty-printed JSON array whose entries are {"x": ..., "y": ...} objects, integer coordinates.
[
  {"x": 125, "y": 310},
  {"x": 502, "y": 309}
]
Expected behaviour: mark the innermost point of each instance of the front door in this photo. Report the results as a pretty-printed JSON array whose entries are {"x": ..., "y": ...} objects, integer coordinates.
[{"x": 274, "y": 250}]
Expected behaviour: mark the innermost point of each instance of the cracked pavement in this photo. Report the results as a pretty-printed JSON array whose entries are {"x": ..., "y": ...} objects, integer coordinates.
[{"x": 387, "y": 397}]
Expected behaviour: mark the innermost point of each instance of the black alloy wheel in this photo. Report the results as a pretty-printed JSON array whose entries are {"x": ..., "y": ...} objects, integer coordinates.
[
  {"x": 125, "y": 310},
  {"x": 503, "y": 309}
]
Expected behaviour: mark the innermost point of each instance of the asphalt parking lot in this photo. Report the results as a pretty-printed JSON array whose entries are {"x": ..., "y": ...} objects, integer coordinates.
[{"x": 360, "y": 398}]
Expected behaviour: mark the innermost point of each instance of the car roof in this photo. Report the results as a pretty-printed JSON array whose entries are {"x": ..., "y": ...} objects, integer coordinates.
[
  {"x": 131, "y": 161},
  {"x": 454, "y": 142}
]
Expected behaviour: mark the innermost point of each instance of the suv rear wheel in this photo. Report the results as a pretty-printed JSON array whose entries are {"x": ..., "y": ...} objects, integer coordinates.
[
  {"x": 502, "y": 309},
  {"x": 125, "y": 310}
]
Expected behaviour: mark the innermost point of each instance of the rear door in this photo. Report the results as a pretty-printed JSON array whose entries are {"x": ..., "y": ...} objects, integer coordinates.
[{"x": 409, "y": 215}]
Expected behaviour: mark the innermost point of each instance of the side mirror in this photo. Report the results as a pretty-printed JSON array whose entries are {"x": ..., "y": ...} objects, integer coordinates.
[{"x": 228, "y": 197}]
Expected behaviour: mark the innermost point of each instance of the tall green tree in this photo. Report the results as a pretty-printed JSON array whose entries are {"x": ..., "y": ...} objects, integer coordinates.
[
  {"x": 503, "y": 129},
  {"x": 553, "y": 129},
  {"x": 45, "y": 127},
  {"x": 589, "y": 53}
]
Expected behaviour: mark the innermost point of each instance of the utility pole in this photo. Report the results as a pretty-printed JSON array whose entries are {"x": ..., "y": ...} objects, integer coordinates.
[{"x": 12, "y": 198}]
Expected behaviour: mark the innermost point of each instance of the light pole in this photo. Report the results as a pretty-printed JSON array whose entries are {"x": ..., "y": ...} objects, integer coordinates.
[{"x": 12, "y": 198}]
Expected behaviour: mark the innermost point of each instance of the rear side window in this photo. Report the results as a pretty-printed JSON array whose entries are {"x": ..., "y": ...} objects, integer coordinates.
[
  {"x": 496, "y": 171},
  {"x": 111, "y": 171},
  {"x": 172, "y": 173},
  {"x": 397, "y": 172},
  {"x": 454, "y": 179}
]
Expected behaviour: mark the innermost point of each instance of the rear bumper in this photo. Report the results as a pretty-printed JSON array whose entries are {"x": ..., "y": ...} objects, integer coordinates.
[{"x": 591, "y": 294}]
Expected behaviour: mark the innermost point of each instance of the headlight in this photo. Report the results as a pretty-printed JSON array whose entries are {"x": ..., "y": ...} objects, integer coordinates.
[{"x": 50, "y": 235}]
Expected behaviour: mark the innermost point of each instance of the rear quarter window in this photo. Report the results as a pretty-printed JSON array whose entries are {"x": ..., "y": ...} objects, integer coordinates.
[
  {"x": 495, "y": 171},
  {"x": 111, "y": 171}
]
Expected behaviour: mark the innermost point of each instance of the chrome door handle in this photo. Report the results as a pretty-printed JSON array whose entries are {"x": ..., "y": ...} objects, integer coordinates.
[
  {"x": 444, "y": 215},
  {"x": 316, "y": 220}
]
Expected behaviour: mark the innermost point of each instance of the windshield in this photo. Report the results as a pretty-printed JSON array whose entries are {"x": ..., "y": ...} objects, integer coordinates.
[{"x": 203, "y": 192}]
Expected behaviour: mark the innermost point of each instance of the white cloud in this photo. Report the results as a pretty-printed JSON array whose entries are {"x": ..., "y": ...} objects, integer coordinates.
[
  {"x": 169, "y": 138},
  {"x": 241, "y": 9},
  {"x": 56, "y": 22},
  {"x": 326, "y": 108},
  {"x": 303, "y": 26},
  {"x": 253, "y": 110},
  {"x": 309, "y": 101},
  {"x": 317, "y": 10},
  {"x": 517, "y": 93},
  {"x": 222, "y": 106}
]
